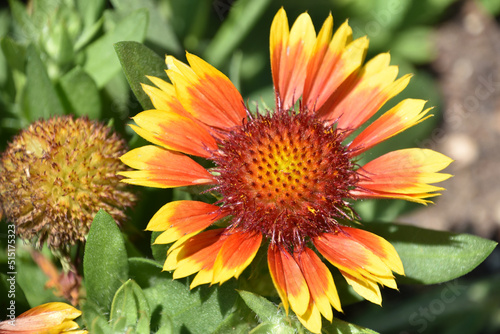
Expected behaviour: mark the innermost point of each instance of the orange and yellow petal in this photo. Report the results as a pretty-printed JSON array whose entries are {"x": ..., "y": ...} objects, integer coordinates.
[
  {"x": 320, "y": 282},
  {"x": 404, "y": 115},
  {"x": 174, "y": 132},
  {"x": 55, "y": 317},
  {"x": 164, "y": 97},
  {"x": 364, "y": 94},
  {"x": 278, "y": 40},
  {"x": 197, "y": 253},
  {"x": 330, "y": 65},
  {"x": 403, "y": 174},
  {"x": 379, "y": 246},
  {"x": 350, "y": 256},
  {"x": 180, "y": 218},
  {"x": 236, "y": 254},
  {"x": 206, "y": 93},
  {"x": 277, "y": 274},
  {"x": 365, "y": 287},
  {"x": 297, "y": 290},
  {"x": 288, "y": 279},
  {"x": 321, "y": 47},
  {"x": 215, "y": 255},
  {"x": 290, "y": 51},
  {"x": 311, "y": 319},
  {"x": 362, "y": 268},
  {"x": 162, "y": 168}
]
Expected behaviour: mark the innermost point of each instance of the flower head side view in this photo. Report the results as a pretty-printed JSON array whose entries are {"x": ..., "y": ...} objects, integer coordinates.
[{"x": 286, "y": 177}]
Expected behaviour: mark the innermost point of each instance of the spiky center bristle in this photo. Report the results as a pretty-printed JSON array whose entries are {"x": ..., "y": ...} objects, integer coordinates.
[{"x": 286, "y": 175}]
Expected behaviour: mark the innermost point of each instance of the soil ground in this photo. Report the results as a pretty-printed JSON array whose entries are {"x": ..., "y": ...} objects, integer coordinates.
[{"x": 468, "y": 69}]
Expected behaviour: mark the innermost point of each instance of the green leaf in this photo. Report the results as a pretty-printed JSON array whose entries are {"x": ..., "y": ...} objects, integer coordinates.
[
  {"x": 273, "y": 319},
  {"x": 235, "y": 69},
  {"x": 269, "y": 327},
  {"x": 190, "y": 20},
  {"x": 15, "y": 53},
  {"x": 105, "y": 264},
  {"x": 160, "y": 30},
  {"x": 260, "y": 305},
  {"x": 237, "y": 322},
  {"x": 81, "y": 93},
  {"x": 23, "y": 21},
  {"x": 431, "y": 257},
  {"x": 5, "y": 22},
  {"x": 240, "y": 20},
  {"x": 101, "y": 61},
  {"x": 87, "y": 35},
  {"x": 40, "y": 97},
  {"x": 130, "y": 309},
  {"x": 94, "y": 319},
  {"x": 58, "y": 43},
  {"x": 201, "y": 310},
  {"x": 117, "y": 95},
  {"x": 90, "y": 10},
  {"x": 138, "y": 61},
  {"x": 430, "y": 309},
  {"x": 13, "y": 292},
  {"x": 159, "y": 250},
  {"x": 338, "y": 326},
  {"x": 41, "y": 11},
  {"x": 166, "y": 328}
]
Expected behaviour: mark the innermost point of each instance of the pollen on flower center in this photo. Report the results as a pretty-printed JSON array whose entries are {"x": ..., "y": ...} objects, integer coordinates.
[{"x": 286, "y": 175}]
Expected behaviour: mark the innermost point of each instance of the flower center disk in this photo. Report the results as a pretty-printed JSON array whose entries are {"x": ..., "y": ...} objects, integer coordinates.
[{"x": 286, "y": 175}]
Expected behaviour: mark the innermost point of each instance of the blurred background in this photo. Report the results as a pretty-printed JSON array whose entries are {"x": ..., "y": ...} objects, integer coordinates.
[{"x": 57, "y": 57}]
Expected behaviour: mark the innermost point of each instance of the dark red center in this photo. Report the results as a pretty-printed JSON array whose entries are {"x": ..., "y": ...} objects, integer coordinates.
[{"x": 286, "y": 175}]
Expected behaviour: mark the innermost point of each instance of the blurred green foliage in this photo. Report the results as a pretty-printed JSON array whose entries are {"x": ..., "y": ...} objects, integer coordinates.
[{"x": 87, "y": 58}]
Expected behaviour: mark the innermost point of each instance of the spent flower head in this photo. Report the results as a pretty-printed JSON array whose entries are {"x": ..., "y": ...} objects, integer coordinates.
[
  {"x": 285, "y": 178},
  {"x": 56, "y": 174}
]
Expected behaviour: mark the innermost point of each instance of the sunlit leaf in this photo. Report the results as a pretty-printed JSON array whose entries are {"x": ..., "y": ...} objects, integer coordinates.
[
  {"x": 265, "y": 309},
  {"x": 338, "y": 326},
  {"x": 201, "y": 310},
  {"x": 130, "y": 309},
  {"x": 105, "y": 263},
  {"x": 95, "y": 320},
  {"x": 138, "y": 61},
  {"x": 273, "y": 319},
  {"x": 431, "y": 257}
]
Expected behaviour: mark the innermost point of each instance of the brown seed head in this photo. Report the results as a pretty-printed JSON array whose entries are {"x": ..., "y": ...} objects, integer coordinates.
[{"x": 56, "y": 175}]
